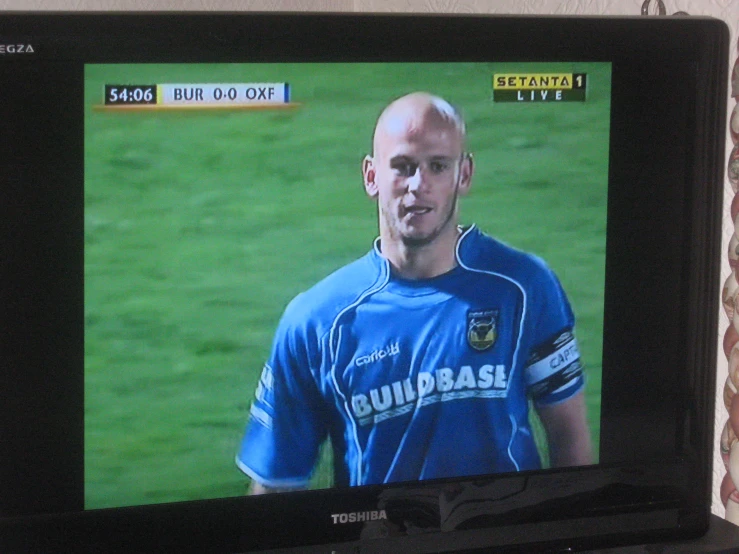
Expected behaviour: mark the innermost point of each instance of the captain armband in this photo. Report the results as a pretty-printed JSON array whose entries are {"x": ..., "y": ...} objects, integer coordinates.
[{"x": 554, "y": 369}]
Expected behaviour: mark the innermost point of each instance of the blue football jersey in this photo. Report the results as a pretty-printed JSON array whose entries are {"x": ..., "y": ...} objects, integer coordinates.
[{"x": 414, "y": 379}]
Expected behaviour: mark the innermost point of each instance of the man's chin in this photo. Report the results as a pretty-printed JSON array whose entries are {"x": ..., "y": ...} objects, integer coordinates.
[{"x": 416, "y": 240}]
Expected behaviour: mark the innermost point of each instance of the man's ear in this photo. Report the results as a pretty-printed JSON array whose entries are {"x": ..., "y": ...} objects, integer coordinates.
[
  {"x": 466, "y": 169},
  {"x": 369, "y": 173}
]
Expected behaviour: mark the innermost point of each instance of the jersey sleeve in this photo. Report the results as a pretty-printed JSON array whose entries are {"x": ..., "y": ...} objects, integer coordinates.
[
  {"x": 553, "y": 371},
  {"x": 286, "y": 420}
]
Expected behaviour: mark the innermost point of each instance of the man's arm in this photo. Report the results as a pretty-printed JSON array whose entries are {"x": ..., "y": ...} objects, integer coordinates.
[
  {"x": 287, "y": 422},
  {"x": 567, "y": 431}
]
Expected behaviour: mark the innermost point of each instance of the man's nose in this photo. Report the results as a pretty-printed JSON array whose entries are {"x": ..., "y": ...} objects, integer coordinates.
[{"x": 415, "y": 181}]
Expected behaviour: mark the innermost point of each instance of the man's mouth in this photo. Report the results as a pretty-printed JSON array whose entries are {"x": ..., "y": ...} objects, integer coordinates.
[{"x": 414, "y": 210}]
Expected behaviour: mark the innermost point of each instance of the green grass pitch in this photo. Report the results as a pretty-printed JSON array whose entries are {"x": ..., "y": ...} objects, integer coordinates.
[{"x": 201, "y": 226}]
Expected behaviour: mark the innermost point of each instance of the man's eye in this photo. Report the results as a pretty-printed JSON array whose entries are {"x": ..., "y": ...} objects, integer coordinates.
[
  {"x": 438, "y": 167},
  {"x": 405, "y": 169}
]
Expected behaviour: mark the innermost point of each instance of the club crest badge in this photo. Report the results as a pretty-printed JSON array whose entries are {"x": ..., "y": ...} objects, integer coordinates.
[{"x": 482, "y": 329}]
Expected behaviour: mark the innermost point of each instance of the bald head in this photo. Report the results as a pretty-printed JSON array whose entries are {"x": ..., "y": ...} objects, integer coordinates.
[
  {"x": 414, "y": 115},
  {"x": 417, "y": 172}
]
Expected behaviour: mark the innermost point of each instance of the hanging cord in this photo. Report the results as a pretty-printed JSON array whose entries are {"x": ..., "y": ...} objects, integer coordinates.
[
  {"x": 728, "y": 443},
  {"x": 659, "y": 6}
]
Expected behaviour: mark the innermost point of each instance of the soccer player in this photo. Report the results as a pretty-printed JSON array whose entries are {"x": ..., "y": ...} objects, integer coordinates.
[{"x": 418, "y": 360}]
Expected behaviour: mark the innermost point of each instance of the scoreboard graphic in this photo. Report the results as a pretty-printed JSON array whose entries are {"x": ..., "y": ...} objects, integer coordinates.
[
  {"x": 507, "y": 87},
  {"x": 203, "y": 96},
  {"x": 539, "y": 87}
]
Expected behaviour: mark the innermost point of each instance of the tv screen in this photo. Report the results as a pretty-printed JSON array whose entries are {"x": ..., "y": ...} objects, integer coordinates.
[{"x": 377, "y": 282}]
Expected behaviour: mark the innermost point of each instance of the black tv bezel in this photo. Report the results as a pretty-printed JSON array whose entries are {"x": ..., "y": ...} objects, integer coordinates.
[{"x": 663, "y": 245}]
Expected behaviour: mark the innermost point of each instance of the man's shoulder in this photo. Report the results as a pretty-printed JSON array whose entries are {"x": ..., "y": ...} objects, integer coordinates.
[
  {"x": 479, "y": 251},
  {"x": 325, "y": 300}
]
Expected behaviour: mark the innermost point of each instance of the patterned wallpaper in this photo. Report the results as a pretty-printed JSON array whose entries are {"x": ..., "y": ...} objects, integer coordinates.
[
  {"x": 728, "y": 10},
  {"x": 725, "y": 9}
]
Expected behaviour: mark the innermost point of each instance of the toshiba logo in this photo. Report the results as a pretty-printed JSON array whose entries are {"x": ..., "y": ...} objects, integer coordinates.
[
  {"x": 355, "y": 517},
  {"x": 16, "y": 49}
]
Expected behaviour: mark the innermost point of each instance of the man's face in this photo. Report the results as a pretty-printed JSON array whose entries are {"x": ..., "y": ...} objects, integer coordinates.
[{"x": 417, "y": 173}]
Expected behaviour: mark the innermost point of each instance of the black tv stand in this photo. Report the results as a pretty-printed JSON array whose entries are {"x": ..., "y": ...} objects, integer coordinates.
[{"x": 722, "y": 538}]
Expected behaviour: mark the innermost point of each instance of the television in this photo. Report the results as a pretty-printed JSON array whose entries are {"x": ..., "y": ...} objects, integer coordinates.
[{"x": 358, "y": 283}]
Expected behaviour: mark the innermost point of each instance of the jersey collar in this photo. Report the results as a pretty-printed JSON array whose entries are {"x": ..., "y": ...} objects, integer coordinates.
[{"x": 468, "y": 236}]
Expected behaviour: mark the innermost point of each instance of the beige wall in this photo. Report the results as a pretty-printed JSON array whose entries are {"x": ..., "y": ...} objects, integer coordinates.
[{"x": 728, "y": 10}]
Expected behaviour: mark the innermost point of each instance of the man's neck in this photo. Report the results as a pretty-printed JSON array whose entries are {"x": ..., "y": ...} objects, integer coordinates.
[{"x": 422, "y": 262}]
